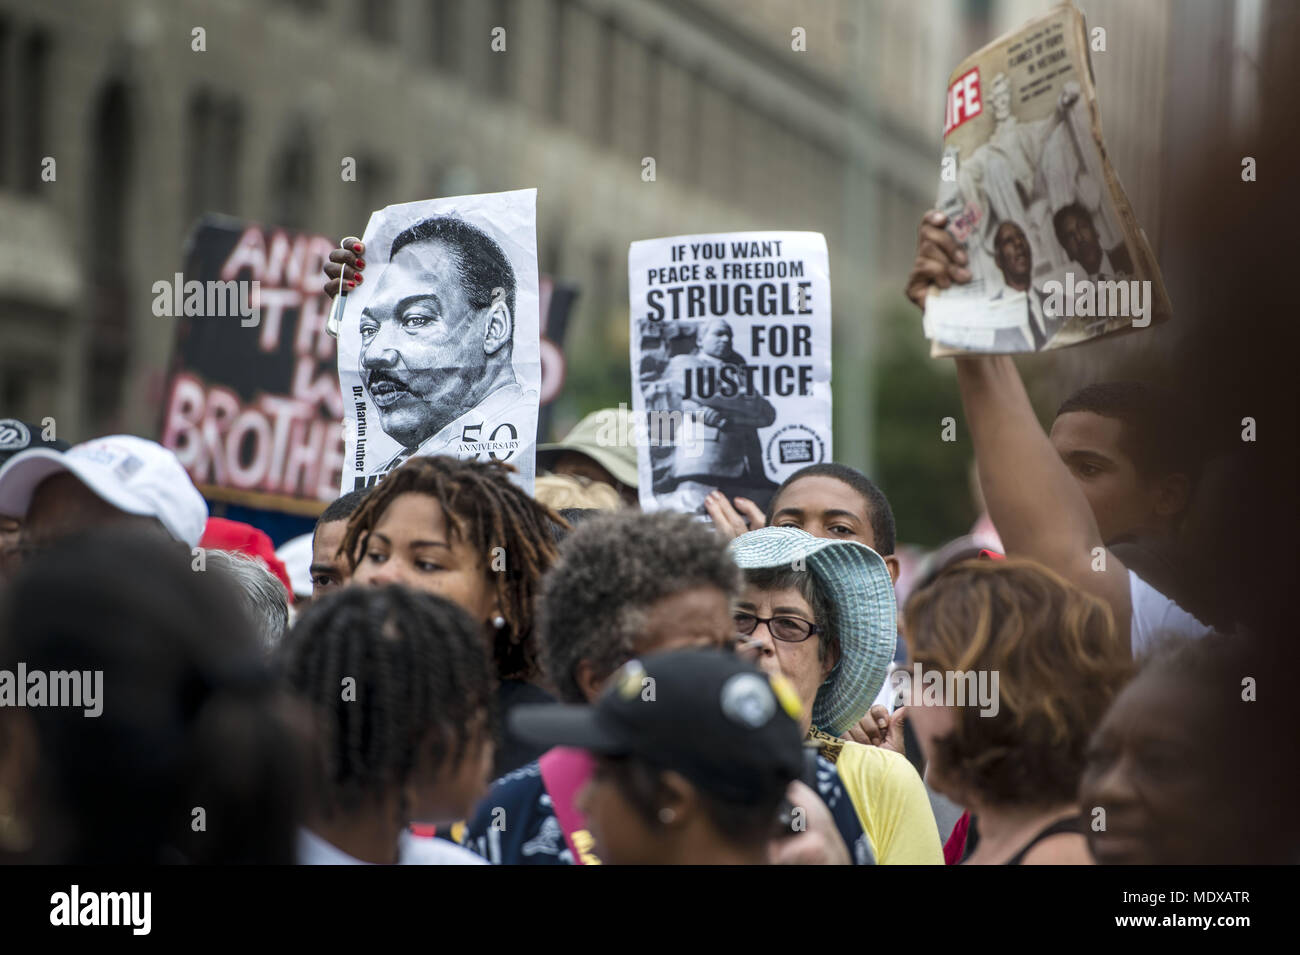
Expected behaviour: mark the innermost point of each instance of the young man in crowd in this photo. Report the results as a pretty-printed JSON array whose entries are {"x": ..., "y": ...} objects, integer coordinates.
[
  {"x": 827, "y": 500},
  {"x": 1039, "y": 507},
  {"x": 1124, "y": 444},
  {"x": 329, "y": 570},
  {"x": 1127, "y": 445}
]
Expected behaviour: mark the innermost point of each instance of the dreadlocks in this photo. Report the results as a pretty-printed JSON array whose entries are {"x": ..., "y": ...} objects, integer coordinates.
[
  {"x": 420, "y": 678},
  {"x": 485, "y": 510}
]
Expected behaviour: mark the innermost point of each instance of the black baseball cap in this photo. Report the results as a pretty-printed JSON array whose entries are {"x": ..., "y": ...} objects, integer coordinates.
[
  {"x": 718, "y": 720},
  {"x": 16, "y": 436}
]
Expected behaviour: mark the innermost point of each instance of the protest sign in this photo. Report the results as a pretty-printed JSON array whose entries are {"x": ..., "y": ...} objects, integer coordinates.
[
  {"x": 252, "y": 404},
  {"x": 438, "y": 349},
  {"x": 731, "y": 363},
  {"x": 1055, "y": 250},
  {"x": 557, "y": 299}
]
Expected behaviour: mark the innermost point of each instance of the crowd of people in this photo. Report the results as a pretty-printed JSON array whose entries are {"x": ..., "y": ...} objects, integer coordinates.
[{"x": 457, "y": 672}]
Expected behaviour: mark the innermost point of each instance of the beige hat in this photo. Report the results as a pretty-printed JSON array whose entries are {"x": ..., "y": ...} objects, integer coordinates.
[{"x": 607, "y": 437}]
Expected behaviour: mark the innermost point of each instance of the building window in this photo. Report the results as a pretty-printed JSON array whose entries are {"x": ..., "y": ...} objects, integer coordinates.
[
  {"x": 501, "y": 65},
  {"x": 292, "y": 181},
  {"x": 214, "y": 127},
  {"x": 372, "y": 190},
  {"x": 33, "y": 73},
  {"x": 693, "y": 144},
  {"x": 447, "y": 23},
  {"x": 6, "y": 93},
  {"x": 605, "y": 84},
  {"x": 653, "y": 126},
  {"x": 378, "y": 20},
  {"x": 560, "y": 45},
  {"x": 111, "y": 179}
]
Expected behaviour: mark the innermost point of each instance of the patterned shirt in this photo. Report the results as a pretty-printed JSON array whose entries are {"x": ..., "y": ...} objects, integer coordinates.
[{"x": 515, "y": 824}]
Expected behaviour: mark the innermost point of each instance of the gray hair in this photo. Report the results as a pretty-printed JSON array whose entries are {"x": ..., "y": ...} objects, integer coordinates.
[
  {"x": 266, "y": 602},
  {"x": 612, "y": 570}
]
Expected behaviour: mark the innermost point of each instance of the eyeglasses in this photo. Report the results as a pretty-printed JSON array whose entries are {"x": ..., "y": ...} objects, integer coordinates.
[{"x": 787, "y": 629}]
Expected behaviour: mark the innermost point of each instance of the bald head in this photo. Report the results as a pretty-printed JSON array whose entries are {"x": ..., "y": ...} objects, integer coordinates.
[{"x": 715, "y": 340}]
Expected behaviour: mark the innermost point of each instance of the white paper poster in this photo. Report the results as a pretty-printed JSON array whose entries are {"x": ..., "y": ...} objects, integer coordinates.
[
  {"x": 731, "y": 363},
  {"x": 438, "y": 349}
]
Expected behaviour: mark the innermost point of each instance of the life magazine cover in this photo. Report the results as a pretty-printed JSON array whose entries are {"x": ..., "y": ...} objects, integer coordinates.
[
  {"x": 731, "y": 363},
  {"x": 438, "y": 349},
  {"x": 1056, "y": 253}
]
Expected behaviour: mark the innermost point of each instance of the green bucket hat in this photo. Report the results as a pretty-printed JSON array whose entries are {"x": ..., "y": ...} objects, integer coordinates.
[
  {"x": 859, "y": 592},
  {"x": 607, "y": 436}
]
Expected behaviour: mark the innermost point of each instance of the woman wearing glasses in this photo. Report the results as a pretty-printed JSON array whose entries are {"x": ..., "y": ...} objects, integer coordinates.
[{"x": 822, "y": 614}]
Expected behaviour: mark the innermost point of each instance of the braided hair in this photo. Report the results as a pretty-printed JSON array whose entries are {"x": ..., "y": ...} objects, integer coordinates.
[
  {"x": 485, "y": 510},
  {"x": 421, "y": 680}
]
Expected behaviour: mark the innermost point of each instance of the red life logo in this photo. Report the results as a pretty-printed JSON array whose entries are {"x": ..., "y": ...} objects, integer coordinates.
[{"x": 964, "y": 101}]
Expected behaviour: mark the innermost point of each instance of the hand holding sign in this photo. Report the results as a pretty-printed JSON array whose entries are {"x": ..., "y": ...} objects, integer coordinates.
[
  {"x": 439, "y": 351},
  {"x": 939, "y": 259},
  {"x": 345, "y": 261},
  {"x": 731, "y": 521}
]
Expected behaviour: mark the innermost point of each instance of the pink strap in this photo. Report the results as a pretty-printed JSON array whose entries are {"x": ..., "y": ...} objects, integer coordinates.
[{"x": 564, "y": 772}]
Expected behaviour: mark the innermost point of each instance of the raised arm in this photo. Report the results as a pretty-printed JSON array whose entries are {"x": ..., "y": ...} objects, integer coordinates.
[{"x": 1038, "y": 508}]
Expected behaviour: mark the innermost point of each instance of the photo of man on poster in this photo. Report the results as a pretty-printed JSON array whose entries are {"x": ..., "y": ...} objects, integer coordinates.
[
  {"x": 726, "y": 453},
  {"x": 437, "y": 354}
]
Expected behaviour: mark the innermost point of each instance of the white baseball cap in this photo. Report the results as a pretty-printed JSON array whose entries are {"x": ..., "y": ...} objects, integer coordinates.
[{"x": 132, "y": 474}]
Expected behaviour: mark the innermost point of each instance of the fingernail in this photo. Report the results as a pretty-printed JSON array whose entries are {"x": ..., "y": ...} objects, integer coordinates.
[
  {"x": 352, "y": 285},
  {"x": 881, "y": 723},
  {"x": 361, "y": 263},
  {"x": 356, "y": 246},
  {"x": 961, "y": 257},
  {"x": 359, "y": 277}
]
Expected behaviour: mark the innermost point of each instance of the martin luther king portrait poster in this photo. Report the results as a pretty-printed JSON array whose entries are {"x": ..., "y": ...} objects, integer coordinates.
[{"x": 438, "y": 350}]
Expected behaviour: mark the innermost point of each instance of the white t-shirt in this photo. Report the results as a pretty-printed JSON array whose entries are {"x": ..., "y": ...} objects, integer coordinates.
[
  {"x": 313, "y": 850},
  {"x": 425, "y": 850},
  {"x": 412, "y": 850},
  {"x": 1154, "y": 615}
]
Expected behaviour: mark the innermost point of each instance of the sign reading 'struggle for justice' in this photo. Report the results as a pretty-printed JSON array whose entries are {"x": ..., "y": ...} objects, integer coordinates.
[
  {"x": 731, "y": 363},
  {"x": 439, "y": 347}
]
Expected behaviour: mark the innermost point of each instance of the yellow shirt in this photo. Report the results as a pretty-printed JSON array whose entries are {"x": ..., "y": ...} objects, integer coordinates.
[{"x": 892, "y": 805}]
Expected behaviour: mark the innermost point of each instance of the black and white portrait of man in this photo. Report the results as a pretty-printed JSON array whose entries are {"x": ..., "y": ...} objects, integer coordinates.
[
  {"x": 1078, "y": 236},
  {"x": 439, "y": 336},
  {"x": 1014, "y": 258},
  {"x": 717, "y": 444}
]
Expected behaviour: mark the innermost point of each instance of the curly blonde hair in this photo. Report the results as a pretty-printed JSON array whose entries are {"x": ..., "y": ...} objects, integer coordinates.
[
  {"x": 1059, "y": 662},
  {"x": 563, "y": 491}
]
